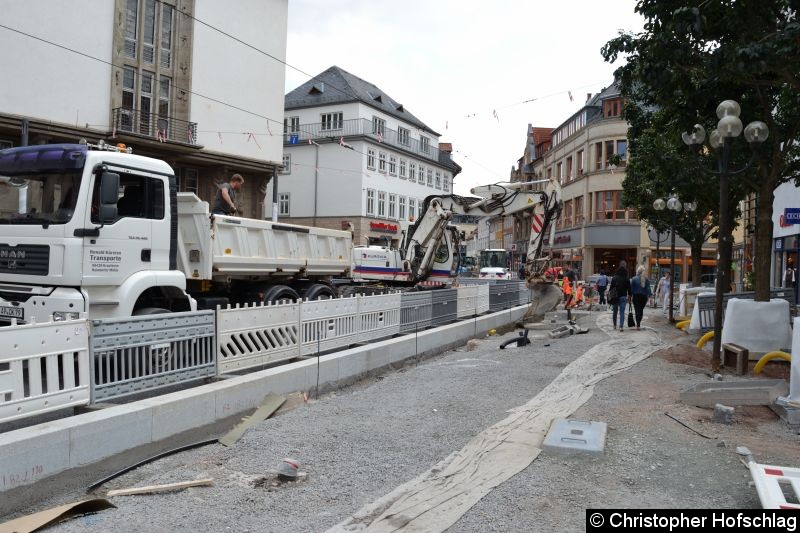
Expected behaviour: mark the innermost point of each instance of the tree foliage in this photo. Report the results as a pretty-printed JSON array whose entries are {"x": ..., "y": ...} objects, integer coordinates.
[{"x": 689, "y": 57}]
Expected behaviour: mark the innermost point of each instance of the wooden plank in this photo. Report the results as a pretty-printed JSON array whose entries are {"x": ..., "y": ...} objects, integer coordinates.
[
  {"x": 270, "y": 404},
  {"x": 152, "y": 489}
]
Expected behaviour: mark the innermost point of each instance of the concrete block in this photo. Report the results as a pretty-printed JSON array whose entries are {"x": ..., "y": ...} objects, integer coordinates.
[
  {"x": 377, "y": 358},
  {"x": 102, "y": 434},
  {"x": 736, "y": 357},
  {"x": 790, "y": 415},
  {"x": 33, "y": 453},
  {"x": 181, "y": 411},
  {"x": 352, "y": 364},
  {"x": 750, "y": 392},
  {"x": 576, "y": 436},
  {"x": 321, "y": 370},
  {"x": 723, "y": 414}
]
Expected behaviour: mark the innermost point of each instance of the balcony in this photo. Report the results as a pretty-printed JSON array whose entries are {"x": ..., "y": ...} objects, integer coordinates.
[
  {"x": 359, "y": 126},
  {"x": 153, "y": 125}
]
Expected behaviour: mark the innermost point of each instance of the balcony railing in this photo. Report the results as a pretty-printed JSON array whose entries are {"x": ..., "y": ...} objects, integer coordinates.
[
  {"x": 358, "y": 126},
  {"x": 153, "y": 125}
]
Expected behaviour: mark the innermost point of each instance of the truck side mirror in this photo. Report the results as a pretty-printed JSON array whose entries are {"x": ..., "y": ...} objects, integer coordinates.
[{"x": 109, "y": 194}]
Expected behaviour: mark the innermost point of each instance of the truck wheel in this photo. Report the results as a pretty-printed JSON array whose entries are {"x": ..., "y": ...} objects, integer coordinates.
[
  {"x": 318, "y": 291},
  {"x": 280, "y": 293},
  {"x": 150, "y": 311}
]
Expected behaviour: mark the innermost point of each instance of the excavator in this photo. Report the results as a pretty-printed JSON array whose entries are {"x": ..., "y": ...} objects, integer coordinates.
[{"x": 429, "y": 248}]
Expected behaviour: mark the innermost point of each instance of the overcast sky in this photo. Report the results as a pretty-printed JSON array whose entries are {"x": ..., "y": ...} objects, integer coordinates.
[{"x": 452, "y": 63}]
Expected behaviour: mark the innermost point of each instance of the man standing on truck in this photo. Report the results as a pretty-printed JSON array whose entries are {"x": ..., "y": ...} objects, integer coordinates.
[{"x": 225, "y": 201}]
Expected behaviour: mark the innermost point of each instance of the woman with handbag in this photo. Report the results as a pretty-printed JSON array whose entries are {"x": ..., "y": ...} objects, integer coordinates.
[
  {"x": 640, "y": 288},
  {"x": 618, "y": 292}
]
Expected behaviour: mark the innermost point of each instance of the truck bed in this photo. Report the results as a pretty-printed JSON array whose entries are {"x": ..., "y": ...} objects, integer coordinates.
[{"x": 233, "y": 247}]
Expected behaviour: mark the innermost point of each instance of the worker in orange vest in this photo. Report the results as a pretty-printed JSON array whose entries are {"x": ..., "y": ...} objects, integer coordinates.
[
  {"x": 569, "y": 301},
  {"x": 579, "y": 294}
]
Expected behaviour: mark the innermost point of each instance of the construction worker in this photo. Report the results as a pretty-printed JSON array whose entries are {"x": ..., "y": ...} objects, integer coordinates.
[
  {"x": 569, "y": 302},
  {"x": 579, "y": 294}
]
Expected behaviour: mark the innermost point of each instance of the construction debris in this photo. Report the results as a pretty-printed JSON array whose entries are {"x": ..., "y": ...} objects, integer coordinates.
[
  {"x": 521, "y": 340},
  {"x": 564, "y": 331},
  {"x": 688, "y": 427},
  {"x": 169, "y": 487},
  {"x": 270, "y": 404},
  {"x": 287, "y": 469},
  {"x": 36, "y": 521},
  {"x": 576, "y": 436},
  {"x": 723, "y": 414}
]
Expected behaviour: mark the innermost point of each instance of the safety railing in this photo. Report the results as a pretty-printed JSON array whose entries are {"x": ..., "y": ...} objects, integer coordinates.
[
  {"x": 43, "y": 367},
  {"x": 444, "y": 304},
  {"x": 416, "y": 311},
  {"x": 143, "y": 353}
]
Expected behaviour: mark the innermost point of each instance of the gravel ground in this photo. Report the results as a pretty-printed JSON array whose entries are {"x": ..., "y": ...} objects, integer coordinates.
[{"x": 359, "y": 443}]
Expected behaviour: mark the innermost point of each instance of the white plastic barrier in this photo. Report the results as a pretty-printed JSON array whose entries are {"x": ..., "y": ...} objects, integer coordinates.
[
  {"x": 483, "y": 299},
  {"x": 758, "y": 326},
  {"x": 329, "y": 324},
  {"x": 43, "y": 367},
  {"x": 380, "y": 316},
  {"x": 467, "y": 301}
]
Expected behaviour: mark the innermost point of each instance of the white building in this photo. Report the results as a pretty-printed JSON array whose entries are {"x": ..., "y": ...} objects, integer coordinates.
[
  {"x": 156, "y": 76},
  {"x": 354, "y": 155}
]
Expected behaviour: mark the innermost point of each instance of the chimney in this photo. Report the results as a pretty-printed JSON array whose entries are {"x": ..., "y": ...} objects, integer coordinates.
[
  {"x": 588, "y": 96},
  {"x": 446, "y": 147}
]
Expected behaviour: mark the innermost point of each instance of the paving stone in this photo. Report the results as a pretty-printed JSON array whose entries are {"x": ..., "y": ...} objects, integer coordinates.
[{"x": 576, "y": 436}]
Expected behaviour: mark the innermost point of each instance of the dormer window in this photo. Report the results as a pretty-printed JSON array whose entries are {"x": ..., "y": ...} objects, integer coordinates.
[
  {"x": 612, "y": 107},
  {"x": 317, "y": 89}
]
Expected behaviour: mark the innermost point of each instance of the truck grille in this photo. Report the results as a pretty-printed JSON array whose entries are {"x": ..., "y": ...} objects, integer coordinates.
[{"x": 25, "y": 259}]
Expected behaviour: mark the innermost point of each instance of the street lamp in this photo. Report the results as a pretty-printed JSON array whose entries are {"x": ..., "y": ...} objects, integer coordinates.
[
  {"x": 658, "y": 240},
  {"x": 674, "y": 205},
  {"x": 721, "y": 140}
]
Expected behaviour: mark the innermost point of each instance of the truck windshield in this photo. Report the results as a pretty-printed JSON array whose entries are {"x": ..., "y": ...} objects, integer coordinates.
[
  {"x": 494, "y": 258},
  {"x": 40, "y": 184}
]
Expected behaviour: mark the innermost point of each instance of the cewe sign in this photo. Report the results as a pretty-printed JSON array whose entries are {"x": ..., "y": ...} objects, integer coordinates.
[{"x": 790, "y": 216}]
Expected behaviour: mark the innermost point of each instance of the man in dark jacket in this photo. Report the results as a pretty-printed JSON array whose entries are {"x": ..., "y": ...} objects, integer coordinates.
[{"x": 622, "y": 285}]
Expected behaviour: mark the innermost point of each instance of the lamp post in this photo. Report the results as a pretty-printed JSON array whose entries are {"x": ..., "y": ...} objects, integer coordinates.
[
  {"x": 674, "y": 205},
  {"x": 658, "y": 241},
  {"x": 721, "y": 140}
]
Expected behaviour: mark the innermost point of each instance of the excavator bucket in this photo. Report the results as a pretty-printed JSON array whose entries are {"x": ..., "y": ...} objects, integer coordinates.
[{"x": 545, "y": 297}]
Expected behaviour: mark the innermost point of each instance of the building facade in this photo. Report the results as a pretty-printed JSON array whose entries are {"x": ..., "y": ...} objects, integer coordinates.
[
  {"x": 155, "y": 76},
  {"x": 595, "y": 232},
  {"x": 353, "y": 155}
]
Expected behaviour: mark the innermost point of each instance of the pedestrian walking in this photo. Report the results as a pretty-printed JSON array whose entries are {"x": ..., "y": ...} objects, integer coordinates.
[
  {"x": 640, "y": 289},
  {"x": 602, "y": 284},
  {"x": 662, "y": 288},
  {"x": 225, "y": 200},
  {"x": 618, "y": 293}
]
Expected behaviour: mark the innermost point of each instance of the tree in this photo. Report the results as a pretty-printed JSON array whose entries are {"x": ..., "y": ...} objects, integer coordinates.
[{"x": 690, "y": 58}]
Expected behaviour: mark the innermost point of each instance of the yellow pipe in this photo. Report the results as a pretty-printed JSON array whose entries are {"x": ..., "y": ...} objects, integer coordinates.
[
  {"x": 704, "y": 339},
  {"x": 682, "y": 324},
  {"x": 769, "y": 357},
  {"x": 681, "y": 318}
]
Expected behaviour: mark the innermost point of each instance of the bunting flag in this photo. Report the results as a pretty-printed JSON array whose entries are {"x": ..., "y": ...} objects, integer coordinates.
[
  {"x": 251, "y": 136},
  {"x": 344, "y": 144},
  {"x": 380, "y": 137},
  {"x": 161, "y": 135},
  {"x": 219, "y": 133},
  {"x": 570, "y": 96},
  {"x": 494, "y": 112},
  {"x": 190, "y": 134}
]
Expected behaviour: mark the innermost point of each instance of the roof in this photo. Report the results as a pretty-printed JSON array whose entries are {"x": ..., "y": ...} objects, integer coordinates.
[
  {"x": 541, "y": 135},
  {"x": 608, "y": 92},
  {"x": 337, "y": 86}
]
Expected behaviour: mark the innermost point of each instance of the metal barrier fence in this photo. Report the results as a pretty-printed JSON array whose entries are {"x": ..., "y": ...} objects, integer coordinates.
[
  {"x": 467, "y": 305},
  {"x": 444, "y": 303},
  {"x": 130, "y": 355},
  {"x": 416, "y": 311},
  {"x": 43, "y": 367},
  {"x": 705, "y": 304}
]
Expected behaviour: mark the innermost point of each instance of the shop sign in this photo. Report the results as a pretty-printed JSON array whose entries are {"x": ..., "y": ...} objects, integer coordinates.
[
  {"x": 561, "y": 239},
  {"x": 778, "y": 244},
  {"x": 791, "y": 216},
  {"x": 383, "y": 227}
]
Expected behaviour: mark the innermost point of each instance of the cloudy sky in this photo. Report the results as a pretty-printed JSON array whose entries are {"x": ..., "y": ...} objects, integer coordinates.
[{"x": 452, "y": 63}]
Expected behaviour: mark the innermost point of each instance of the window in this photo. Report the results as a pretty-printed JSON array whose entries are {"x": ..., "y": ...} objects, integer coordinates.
[
  {"x": 189, "y": 180},
  {"x": 382, "y": 162},
  {"x": 283, "y": 204},
  {"x": 622, "y": 151},
  {"x": 145, "y": 102},
  {"x": 142, "y": 197},
  {"x": 412, "y": 209},
  {"x": 569, "y": 168},
  {"x": 609, "y": 150},
  {"x": 392, "y": 205},
  {"x": 430, "y": 177},
  {"x": 425, "y": 143},
  {"x": 438, "y": 183},
  {"x": 401, "y": 208},
  {"x": 131, "y": 28},
  {"x": 412, "y": 172},
  {"x": 371, "y": 158},
  {"x": 128, "y": 99},
  {"x": 332, "y": 121},
  {"x": 370, "y": 201},
  {"x": 163, "y": 96},
  {"x": 578, "y": 211},
  {"x": 598, "y": 156},
  {"x": 549, "y": 172},
  {"x": 286, "y": 165},
  {"x": 446, "y": 184},
  {"x": 402, "y": 136},
  {"x": 148, "y": 39},
  {"x": 580, "y": 164},
  {"x": 568, "y": 213},
  {"x": 291, "y": 125},
  {"x": 612, "y": 107},
  {"x": 403, "y": 167},
  {"x": 609, "y": 206},
  {"x": 378, "y": 126},
  {"x": 381, "y": 204},
  {"x": 166, "y": 35},
  {"x": 559, "y": 174},
  {"x": 392, "y": 165}
]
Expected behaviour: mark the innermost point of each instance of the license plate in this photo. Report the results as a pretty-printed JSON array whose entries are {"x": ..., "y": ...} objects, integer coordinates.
[{"x": 12, "y": 312}]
